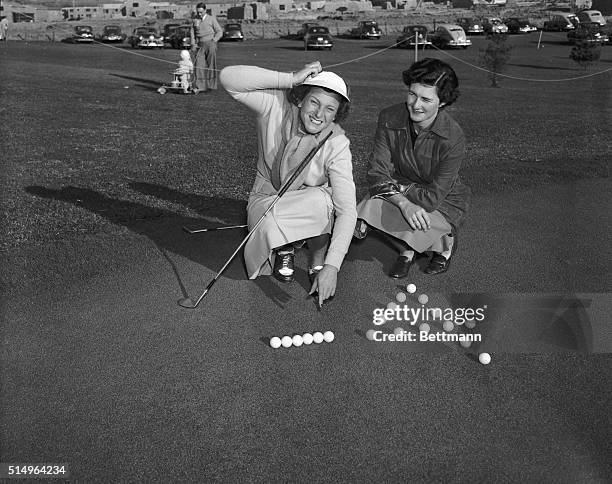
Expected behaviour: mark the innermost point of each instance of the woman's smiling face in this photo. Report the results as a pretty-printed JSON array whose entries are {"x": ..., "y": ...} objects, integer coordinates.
[
  {"x": 423, "y": 104},
  {"x": 318, "y": 110}
]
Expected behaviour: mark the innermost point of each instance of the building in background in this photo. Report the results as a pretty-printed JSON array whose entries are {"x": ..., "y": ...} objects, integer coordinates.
[{"x": 16, "y": 13}]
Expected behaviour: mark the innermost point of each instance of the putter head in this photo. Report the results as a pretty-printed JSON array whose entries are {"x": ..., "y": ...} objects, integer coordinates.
[{"x": 186, "y": 303}]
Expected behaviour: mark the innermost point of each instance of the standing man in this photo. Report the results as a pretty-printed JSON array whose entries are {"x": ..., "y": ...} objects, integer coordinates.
[
  {"x": 205, "y": 33},
  {"x": 3, "y": 28}
]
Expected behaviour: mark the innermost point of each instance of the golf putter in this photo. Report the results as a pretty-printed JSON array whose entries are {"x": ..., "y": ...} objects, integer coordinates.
[
  {"x": 187, "y": 302},
  {"x": 226, "y": 227}
]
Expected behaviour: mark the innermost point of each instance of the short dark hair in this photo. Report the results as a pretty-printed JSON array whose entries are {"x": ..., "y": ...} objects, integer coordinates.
[
  {"x": 434, "y": 73},
  {"x": 201, "y": 5},
  {"x": 298, "y": 93}
]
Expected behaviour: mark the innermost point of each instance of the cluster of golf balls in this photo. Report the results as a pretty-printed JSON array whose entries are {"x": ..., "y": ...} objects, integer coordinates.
[
  {"x": 401, "y": 297},
  {"x": 301, "y": 339}
]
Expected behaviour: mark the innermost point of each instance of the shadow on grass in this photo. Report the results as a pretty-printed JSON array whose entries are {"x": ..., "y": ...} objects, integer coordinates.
[
  {"x": 230, "y": 211},
  {"x": 147, "y": 83},
  {"x": 163, "y": 227},
  {"x": 273, "y": 292}
]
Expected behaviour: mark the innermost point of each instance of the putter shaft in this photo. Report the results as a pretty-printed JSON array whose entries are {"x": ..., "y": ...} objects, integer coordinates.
[{"x": 227, "y": 227}]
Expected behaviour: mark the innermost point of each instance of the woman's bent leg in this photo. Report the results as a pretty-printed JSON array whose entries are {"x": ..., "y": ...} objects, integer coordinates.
[{"x": 299, "y": 214}]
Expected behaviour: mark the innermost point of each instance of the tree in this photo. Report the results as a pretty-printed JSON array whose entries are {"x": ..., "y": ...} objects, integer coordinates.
[
  {"x": 585, "y": 53},
  {"x": 495, "y": 56}
]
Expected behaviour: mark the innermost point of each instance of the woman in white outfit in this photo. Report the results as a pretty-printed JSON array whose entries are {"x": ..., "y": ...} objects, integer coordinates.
[{"x": 295, "y": 111}]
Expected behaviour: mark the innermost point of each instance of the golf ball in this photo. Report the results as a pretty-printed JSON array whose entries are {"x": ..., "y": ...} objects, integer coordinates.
[
  {"x": 484, "y": 358},
  {"x": 398, "y": 330},
  {"x": 424, "y": 327},
  {"x": 307, "y": 338},
  {"x": 470, "y": 324},
  {"x": 392, "y": 305},
  {"x": 448, "y": 326},
  {"x": 423, "y": 298},
  {"x": 460, "y": 322},
  {"x": 317, "y": 337},
  {"x": 297, "y": 340},
  {"x": 466, "y": 343},
  {"x": 328, "y": 336},
  {"x": 411, "y": 288},
  {"x": 370, "y": 334},
  {"x": 286, "y": 341},
  {"x": 400, "y": 297},
  {"x": 275, "y": 342}
]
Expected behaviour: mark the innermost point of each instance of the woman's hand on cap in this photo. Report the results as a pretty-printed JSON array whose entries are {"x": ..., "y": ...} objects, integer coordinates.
[{"x": 311, "y": 69}]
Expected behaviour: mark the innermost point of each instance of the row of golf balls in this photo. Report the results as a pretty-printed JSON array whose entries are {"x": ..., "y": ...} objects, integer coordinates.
[{"x": 299, "y": 340}]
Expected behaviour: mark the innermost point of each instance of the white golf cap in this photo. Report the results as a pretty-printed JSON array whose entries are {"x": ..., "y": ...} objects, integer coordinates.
[{"x": 329, "y": 80}]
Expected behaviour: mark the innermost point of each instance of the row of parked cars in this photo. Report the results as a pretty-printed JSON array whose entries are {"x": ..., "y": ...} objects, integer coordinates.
[
  {"x": 448, "y": 35},
  {"x": 445, "y": 35},
  {"x": 495, "y": 25},
  {"x": 176, "y": 36},
  {"x": 589, "y": 26}
]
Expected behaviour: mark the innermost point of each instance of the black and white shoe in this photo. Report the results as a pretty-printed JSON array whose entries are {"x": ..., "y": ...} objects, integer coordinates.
[
  {"x": 439, "y": 264},
  {"x": 283, "y": 265}
]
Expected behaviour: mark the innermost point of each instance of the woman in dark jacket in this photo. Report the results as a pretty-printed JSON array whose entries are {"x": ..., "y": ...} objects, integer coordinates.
[{"x": 416, "y": 195}]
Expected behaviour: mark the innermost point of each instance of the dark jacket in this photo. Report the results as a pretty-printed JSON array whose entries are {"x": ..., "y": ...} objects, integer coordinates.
[{"x": 427, "y": 171}]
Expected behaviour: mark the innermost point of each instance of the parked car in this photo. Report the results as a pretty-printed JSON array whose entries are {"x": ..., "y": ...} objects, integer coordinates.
[
  {"x": 169, "y": 29},
  {"x": 233, "y": 32},
  {"x": 494, "y": 25},
  {"x": 304, "y": 29},
  {"x": 181, "y": 37},
  {"x": 590, "y": 32},
  {"x": 471, "y": 26},
  {"x": 146, "y": 38},
  {"x": 318, "y": 38},
  {"x": 83, "y": 34},
  {"x": 366, "y": 29},
  {"x": 591, "y": 16},
  {"x": 112, "y": 34},
  {"x": 519, "y": 26},
  {"x": 561, "y": 22},
  {"x": 413, "y": 35},
  {"x": 449, "y": 36}
]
